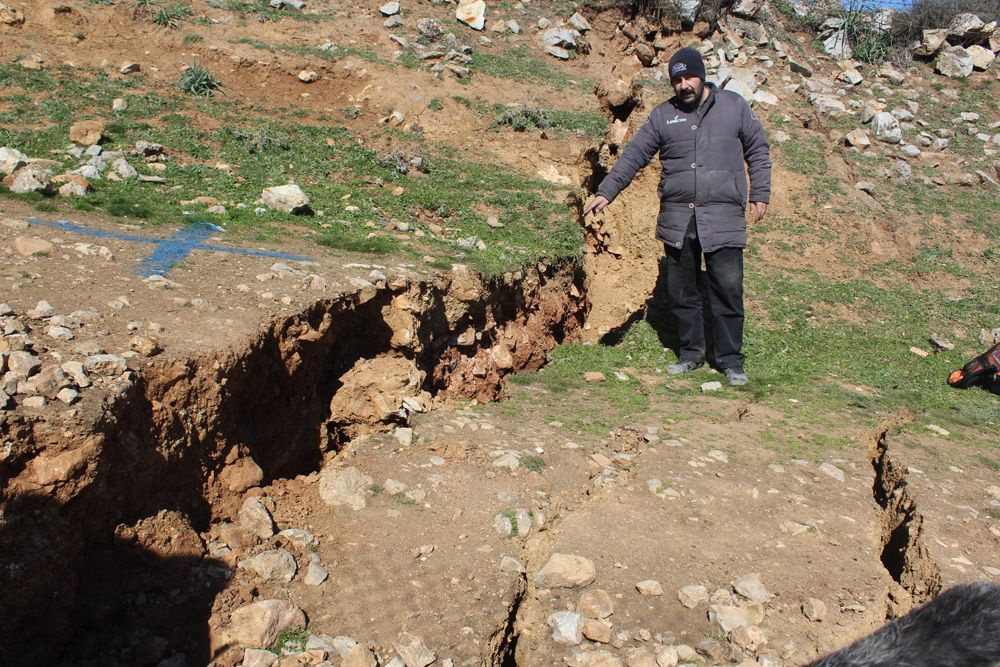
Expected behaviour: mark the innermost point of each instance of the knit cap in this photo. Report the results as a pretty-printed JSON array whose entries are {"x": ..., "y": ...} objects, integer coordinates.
[{"x": 687, "y": 62}]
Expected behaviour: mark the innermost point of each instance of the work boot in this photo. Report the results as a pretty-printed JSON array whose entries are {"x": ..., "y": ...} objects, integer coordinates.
[
  {"x": 684, "y": 367},
  {"x": 736, "y": 376}
]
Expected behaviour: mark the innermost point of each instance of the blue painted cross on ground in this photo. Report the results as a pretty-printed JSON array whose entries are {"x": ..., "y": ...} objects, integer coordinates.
[{"x": 168, "y": 252}]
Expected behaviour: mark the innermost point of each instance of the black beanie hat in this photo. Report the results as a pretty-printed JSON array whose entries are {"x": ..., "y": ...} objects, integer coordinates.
[{"x": 687, "y": 62}]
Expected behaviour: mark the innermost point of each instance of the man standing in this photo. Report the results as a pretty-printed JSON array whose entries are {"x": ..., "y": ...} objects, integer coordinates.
[{"x": 703, "y": 135}]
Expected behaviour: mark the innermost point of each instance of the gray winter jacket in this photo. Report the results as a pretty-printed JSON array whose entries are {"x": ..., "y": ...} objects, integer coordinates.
[{"x": 702, "y": 153}]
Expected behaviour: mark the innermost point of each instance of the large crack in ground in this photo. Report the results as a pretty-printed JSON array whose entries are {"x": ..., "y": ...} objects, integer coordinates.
[
  {"x": 916, "y": 576},
  {"x": 98, "y": 515}
]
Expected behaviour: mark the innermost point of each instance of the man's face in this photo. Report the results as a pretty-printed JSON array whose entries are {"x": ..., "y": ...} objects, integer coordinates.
[{"x": 688, "y": 88}]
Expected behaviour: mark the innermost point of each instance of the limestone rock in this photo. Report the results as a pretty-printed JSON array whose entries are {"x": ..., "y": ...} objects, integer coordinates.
[
  {"x": 254, "y": 518},
  {"x": 751, "y": 587},
  {"x": 358, "y": 656},
  {"x": 344, "y": 486},
  {"x": 814, "y": 610},
  {"x": 965, "y": 25},
  {"x": 858, "y": 137},
  {"x": 32, "y": 245},
  {"x": 11, "y": 160},
  {"x": 31, "y": 178},
  {"x": 315, "y": 575},
  {"x": 374, "y": 390},
  {"x": 749, "y": 637},
  {"x": 886, "y": 128},
  {"x": 472, "y": 13},
  {"x": 728, "y": 617},
  {"x": 105, "y": 364},
  {"x": 567, "y": 627},
  {"x": 86, "y": 132},
  {"x": 10, "y": 16},
  {"x": 288, "y": 198},
  {"x": 692, "y": 595},
  {"x": 274, "y": 565},
  {"x": 982, "y": 57},
  {"x": 595, "y": 603},
  {"x": 241, "y": 475},
  {"x": 955, "y": 62},
  {"x": 412, "y": 650},
  {"x": 649, "y": 587},
  {"x": 566, "y": 571},
  {"x": 259, "y": 624},
  {"x": 931, "y": 42}
]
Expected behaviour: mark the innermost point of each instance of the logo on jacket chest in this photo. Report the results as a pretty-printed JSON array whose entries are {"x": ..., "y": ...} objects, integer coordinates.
[{"x": 676, "y": 119}]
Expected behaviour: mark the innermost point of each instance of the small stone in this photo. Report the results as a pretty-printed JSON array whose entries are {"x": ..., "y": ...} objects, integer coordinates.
[
  {"x": 472, "y": 13},
  {"x": 595, "y": 603},
  {"x": 412, "y": 650},
  {"x": 566, "y": 571},
  {"x": 148, "y": 346},
  {"x": 714, "y": 385},
  {"x": 34, "y": 402},
  {"x": 87, "y": 132},
  {"x": 259, "y": 624},
  {"x": 254, "y": 518},
  {"x": 308, "y": 76},
  {"x": 751, "y": 587},
  {"x": 274, "y": 565},
  {"x": 940, "y": 343},
  {"x": 593, "y": 376},
  {"x": 666, "y": 656},
  {"x": 32, "y": 245},
  {"x": 567, "y": 627},
  {"x": 358, "y": 656},
  {"x": 119, "y": 105},
  {"x": 130, "y": 68},
  {"x": 596, "y": 630},
  {"x": 814, "y": 610},
  {"x": 510, "y": 564},
  {"x": 858, "y": 137},
  {"x": 832, "y": 471},
  {"x": 934, "y": 428},
  {"x": 649, "y": 587},
  {"x": 728, "y": 617},
  {"x": 389, "y": 9},
  {"x": 749, "y": 637},
  {"x": 68, "y": 395},
  {"x": 255, "y": 657},
  {"x": 344, "y": 486},
  {"x": 105, "y": 364},
  {"x": 288, "y": 198},
  {"x": 692, "y": 595}
]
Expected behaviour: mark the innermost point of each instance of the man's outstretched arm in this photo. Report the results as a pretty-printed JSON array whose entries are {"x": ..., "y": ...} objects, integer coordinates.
[{"x": 637, "y": 155}]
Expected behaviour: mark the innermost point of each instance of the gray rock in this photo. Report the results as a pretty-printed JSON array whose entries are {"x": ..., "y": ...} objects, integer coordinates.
[
  {"x": 579, "y": 22},
  {"x": 105, "y": 364},
  {"x": 955, "y": 62},
  {"x": 124, "y": 169},
  {"x": 11, "y": 160},
  {"x": 931, "y": 42},
  {"x": 254, "y": 518},
  {"x": 560, "y": 37},
  {"x": 828, "y": 105},
  {"x": 510, "y": 564},
  {"x": 751, "y": 587},
  {"x": 649, "y": 587},
  {"x": 814, "y": 610},
  {"x": 982, "y": 57},
  {"x": 558, "y": 52},
  {"x": 344, "y": 486},
  {"x": 886, "y": 128},
  {"x": 301, "y": 538},
  {"x": 728, "y": 617},
  {"x": 316, "y": 574},
  {"x": 50, "y": 381},
  {"x": 567, "y": 627},
  {"x": 412, "y": 650},
  {"x": 692, "y": 595},
  {"x": 714, "y": 385},
  {"x": 68, "y": 395},
  {"x": 389, "y": 9},
  {"x": 274, "y": 565},
  {"x": 288, "y": 198},
  {"x": 255, "y": 657},
  {"x": 31, "y": 179},
  {"x": 34, "y": 402},
  {"x": 837, "y": 45},
  {"x": 964, "y": 25},
  {"x": 23, "y": 362},
  {"x": 833, "y": 471}
]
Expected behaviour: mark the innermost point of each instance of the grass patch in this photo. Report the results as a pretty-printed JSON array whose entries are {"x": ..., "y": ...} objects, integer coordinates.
[
  {"x": 803, "y": 155},
  {"x": 520, "y": 64},
  {"x": 533, "y": 462}
]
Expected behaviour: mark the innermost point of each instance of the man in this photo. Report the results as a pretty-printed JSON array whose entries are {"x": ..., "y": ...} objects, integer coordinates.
[{"x": 703, "y": 135}]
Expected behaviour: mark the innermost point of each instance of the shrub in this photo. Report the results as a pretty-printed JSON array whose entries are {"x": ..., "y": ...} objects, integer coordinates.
[
  {"x": 198, "y": 81},
  {"x": 908, "y": 25}
]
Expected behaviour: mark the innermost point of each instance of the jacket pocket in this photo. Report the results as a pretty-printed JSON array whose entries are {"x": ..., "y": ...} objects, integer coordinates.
[{"x": 721, "y": 188}]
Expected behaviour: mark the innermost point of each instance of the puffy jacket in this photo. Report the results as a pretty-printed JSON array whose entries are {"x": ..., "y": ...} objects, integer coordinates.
[{"x": 702, "y": 153}]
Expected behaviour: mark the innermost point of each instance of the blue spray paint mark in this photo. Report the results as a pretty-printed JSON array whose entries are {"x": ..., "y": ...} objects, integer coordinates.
[{"x": 168, "y": 252}]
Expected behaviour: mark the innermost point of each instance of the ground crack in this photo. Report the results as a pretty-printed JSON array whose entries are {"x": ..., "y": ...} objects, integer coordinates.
[{"x": 903, "y": 552}]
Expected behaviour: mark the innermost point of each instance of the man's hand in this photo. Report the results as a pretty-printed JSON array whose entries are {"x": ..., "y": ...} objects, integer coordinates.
[
  {"x": 758, "y": 209},
  {"x": 595, "y": 205}
]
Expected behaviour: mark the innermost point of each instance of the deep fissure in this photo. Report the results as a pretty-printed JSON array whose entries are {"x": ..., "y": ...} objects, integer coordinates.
[{"x": 167, "y": 438}]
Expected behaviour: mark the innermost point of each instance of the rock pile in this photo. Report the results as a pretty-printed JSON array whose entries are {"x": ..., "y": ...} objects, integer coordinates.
[{"x": 32, "y": 373}]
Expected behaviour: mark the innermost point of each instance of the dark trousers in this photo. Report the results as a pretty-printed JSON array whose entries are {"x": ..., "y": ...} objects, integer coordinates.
[{"x": 724, "y": 269}]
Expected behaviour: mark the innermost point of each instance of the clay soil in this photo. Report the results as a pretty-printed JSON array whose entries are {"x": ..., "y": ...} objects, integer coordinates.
[{"x": 239, "y": 380}]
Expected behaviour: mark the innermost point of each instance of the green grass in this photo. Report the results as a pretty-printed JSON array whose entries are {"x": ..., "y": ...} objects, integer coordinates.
[
  {"x": 533, "y": 463},
  {"x": 803, "y": 155},
  {"x": 293, "y": 638},
  {"x": 520, "y": 64}
]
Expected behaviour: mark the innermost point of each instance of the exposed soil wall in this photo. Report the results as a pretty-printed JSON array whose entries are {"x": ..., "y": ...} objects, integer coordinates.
[{"x": 123, "y": 490}]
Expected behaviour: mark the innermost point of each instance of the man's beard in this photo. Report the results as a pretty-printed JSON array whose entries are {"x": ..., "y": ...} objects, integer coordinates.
[{"x": 691, "y": 96}]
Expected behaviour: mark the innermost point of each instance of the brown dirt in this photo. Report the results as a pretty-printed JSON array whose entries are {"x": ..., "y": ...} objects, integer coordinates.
[{"x": 109, "y": 505}]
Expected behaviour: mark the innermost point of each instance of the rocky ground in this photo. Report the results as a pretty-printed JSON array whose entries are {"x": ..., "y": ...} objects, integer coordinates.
[{"x": 260, "y": 461}]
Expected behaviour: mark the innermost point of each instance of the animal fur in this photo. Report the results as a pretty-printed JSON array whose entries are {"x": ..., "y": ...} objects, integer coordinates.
[{"x": 958, "y": 628}]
